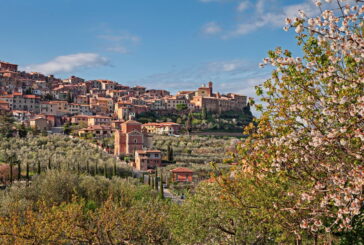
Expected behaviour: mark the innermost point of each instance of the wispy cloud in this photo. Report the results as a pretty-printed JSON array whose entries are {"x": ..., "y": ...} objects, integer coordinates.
[
  {"x": 120, "y": 43},
  {"x": 211, "y": 28},
  {"x": 253, "y": 15},
  {"x": 211, "y": 1},
  {"x": 68, "y": 63},
  {"x": 237, "y": 76},
  {"x": 118, "y": 49},
  {"x": 242, "y": 6},
  {"x": 228, "y": 76},
  {"x": 118, "y": 38}
]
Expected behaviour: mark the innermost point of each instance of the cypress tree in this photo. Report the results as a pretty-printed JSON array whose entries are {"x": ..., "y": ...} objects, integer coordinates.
[
  {"x": 88, "y": 167},
  {"x": 149, "y": 180},
  {"x": 167, "y": 181},
  {"x": 39, "y": 169},
  {"x": 96, "y": 168},
  {"x": 156, "y": 179},
  {"x": 189, "y": 123},
  {"x": 27, "y": 172},
  {"x": 203, "y": 114},
  {"x": 161, "y": 187},
  {"x": 170, "y": 153},
  {"x": 19, "y": 170},
  {"x": 114, "y": 169},
  {"x": 78, "y": 167},
  {"x": 105, "y": 170},
  {"x": 11, "y": 173},
  {"x": 171, "y": 157},
  {"x": 49, "y": 163}
]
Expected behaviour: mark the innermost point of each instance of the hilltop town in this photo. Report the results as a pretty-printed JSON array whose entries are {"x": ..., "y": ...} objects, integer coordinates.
[{"x": 103, "y": 109}]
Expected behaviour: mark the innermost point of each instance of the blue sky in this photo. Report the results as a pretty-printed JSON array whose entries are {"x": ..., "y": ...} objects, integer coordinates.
[{"x": 171, "y": 44}]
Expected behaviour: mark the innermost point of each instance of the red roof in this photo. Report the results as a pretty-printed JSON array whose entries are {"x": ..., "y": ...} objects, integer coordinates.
[{"x": 181, "y": 170}]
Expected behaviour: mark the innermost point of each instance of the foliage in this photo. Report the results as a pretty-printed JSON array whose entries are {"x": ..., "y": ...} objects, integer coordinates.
[
  {"x": 60, "y": 152},
  {"x": 303, "y": 163},
  {"x": 87, "y": 210}
]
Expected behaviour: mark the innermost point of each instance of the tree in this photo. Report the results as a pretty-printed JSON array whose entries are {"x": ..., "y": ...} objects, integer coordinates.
[
  {"x": 27, "y": 171},
  {"x": 161, "y": 189},
  {"x": 156, "y": 179},
  {"x": 105, "y": 169},
  {"x": 203, "y": 113},
  {"x": 22, "y": 131},
  {"x": 18, "y": 162},
  {"x": 114, "y": 169},
  {"x": 307, "y": 147},
  {"x": 69, "y": 98},
  {"x": 170, "y": 153},
  {"x": 189, "y": 123},
  {"x": 67, "y": 128},
  {"x": 6, "y": 125},
  {"x": 181, "y": 107},
  {"x": 38, "y": 167}
]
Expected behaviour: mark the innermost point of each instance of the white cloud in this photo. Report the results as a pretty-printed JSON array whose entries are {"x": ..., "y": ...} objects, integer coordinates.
[
  {"x": 243, "y": 6},
  {"x": 211, "y": 28},
  {"x": 68, "y": 63}
]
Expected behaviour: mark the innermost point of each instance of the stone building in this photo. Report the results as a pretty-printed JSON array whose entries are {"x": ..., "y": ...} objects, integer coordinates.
[
  {"x": 5, "y": 66},
  {"x": 131, "y": 138},
  {"x": 147, "y": 159}
]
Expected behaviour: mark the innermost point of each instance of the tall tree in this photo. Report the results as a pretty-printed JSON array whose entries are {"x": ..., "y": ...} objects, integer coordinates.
[
  {"x": 203, "y": 113},
  {"x": 170, "y": 153},
  {"x": 161, "y": 189},
  {"x": 6, "y": 125},
  {"x": 189, "y": 123},
  {"x": 304, "y": 161},
  {"x": 156, "y": 179}
]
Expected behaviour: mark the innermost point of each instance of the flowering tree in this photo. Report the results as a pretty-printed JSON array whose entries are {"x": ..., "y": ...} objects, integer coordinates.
[{"x": 305, "y": 157}]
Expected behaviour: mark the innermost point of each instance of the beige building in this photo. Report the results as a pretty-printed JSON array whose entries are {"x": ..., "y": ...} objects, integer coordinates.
[
  {"x": 166, "y": 128},
  {"x": 98, "y": 120},
  {"x": 147, "y": 159},
  {"x": 18, "y": 101},
  {"x": 55, "y": 107},
  {"x": 39, "y": 123},
  {"x": 97, "y": 131}
]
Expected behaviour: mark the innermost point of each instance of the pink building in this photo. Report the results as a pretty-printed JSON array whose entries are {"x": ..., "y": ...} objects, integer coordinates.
[
  {"x": 182, "y": 174},
  {"x": 130, "y": 138}
]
